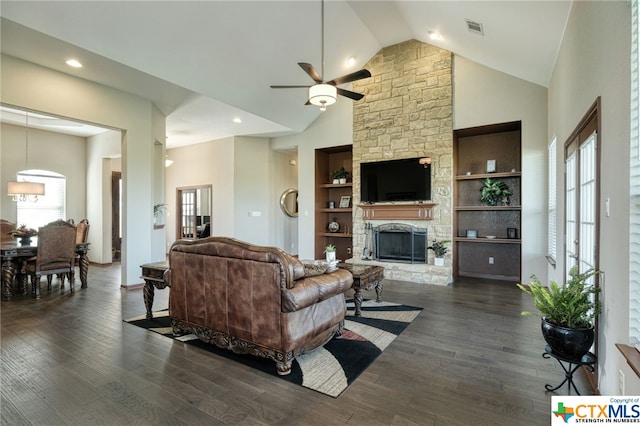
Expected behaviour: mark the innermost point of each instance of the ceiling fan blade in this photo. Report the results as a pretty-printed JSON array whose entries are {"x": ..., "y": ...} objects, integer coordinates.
[
  {"x": 308, "y": 103},
  {"x": 349, "y": 94},
  {"x": 288, "y": 87},
  {"x": 309, "y": 69},
  {"x": 358, "y": 75}
]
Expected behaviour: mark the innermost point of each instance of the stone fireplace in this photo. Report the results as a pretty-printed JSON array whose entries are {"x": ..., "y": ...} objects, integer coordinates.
[
  {"x": 398, "y": 242},
  {"x": 407, "y": 112}
]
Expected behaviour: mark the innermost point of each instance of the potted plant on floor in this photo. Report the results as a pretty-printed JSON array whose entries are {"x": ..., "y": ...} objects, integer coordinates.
[
  {"x": 439, "y": 250},
  {"x": 568, "y": 312}
]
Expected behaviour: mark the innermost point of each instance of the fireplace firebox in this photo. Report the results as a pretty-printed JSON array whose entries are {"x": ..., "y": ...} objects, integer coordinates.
[{"x": 399, "y": 242}]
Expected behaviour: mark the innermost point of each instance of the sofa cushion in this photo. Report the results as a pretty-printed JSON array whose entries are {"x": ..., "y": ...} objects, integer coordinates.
[{"x": 312, "y": 290}]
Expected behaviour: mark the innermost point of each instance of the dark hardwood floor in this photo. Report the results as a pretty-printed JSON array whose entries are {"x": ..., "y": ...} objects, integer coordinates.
[{"x": 468, "y": 359}]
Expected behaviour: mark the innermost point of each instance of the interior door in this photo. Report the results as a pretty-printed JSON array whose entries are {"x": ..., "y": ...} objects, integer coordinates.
[
  {"x": 194, "y": 212},
  {"x": 116, "y": 213}
]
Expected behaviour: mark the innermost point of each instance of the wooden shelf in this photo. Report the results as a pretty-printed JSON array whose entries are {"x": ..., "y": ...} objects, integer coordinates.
[
  {"x": 501, "y": 175},
  {"x": 485, "y": 240},
  {"x": 336, "y": 185},
  {"x": 336, "y": 210},
  {"x": 473, "y": 147},
  {"x": 487, "y": 208}
]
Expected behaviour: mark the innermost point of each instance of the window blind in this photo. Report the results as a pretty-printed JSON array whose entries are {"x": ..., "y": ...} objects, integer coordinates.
[
  {"x": 634, "y": 216},
  {"x": 50, "y": 206},
  {"x": 552, "y": 215}
]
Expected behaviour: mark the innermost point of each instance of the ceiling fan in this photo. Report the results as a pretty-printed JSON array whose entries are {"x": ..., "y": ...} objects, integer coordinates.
[{"x": 324, "y": 93}]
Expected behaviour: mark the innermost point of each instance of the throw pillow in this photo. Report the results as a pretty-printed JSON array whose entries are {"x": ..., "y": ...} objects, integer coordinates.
[{"x": 314, "y": 267}]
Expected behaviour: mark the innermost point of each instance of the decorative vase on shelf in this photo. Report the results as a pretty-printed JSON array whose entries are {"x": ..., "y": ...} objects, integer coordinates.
[
  {"x": 343, "y": 180},
  {"x": 336, "y": 181}
]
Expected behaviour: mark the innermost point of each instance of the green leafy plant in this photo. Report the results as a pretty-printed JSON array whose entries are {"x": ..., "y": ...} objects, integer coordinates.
[
  {"x": 494, "y": 192},
  {"x": 341, "y": 174},
  {"x": 330, "y": 248},
  {"x": 574, "y": 305},
  {"x": 439, "y": 248}
]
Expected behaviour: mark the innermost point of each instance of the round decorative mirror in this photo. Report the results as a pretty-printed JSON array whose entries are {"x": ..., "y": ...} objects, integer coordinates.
[{"x": 289, "y": 202}]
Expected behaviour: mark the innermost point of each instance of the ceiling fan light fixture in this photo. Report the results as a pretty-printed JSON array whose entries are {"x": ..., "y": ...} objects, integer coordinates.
[{"x": 322, "y": 95}]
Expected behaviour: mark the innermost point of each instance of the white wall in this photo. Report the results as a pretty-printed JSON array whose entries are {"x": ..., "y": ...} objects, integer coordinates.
[
  {"x": 485, "y": 96},
  {"x": 246, "y": 176},
  {"x": 26, "y": 85},
  {"x": 252, "y": 194},
  {"x": 594, "y": 61},
  {"x": 334, "y": 127},
  {"x": 101, "y": 150},
  {"x": 56, "y": 152},
  {"x": 210, "y": 163}
]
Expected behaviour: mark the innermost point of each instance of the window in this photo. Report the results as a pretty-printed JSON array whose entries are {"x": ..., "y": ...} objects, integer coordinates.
[
  {"x": 634, "y": 216},
  {"x": 552, "y": 214},
  {"x": 50, "y": 206}
]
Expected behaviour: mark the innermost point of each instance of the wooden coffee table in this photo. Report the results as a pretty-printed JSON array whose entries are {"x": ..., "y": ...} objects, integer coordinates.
[{"x": 365, "y": 277}]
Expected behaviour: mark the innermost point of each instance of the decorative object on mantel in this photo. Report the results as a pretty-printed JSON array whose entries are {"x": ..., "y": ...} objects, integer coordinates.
[
  {"x": 333, "y": 226},
  {"x": 439, "y": 250},
  {"x": 24, "y": 234},
  {"x": 330, "y": 252},
  {"x": 567, "y": 312},
  {"x": 494, "y": 192}
]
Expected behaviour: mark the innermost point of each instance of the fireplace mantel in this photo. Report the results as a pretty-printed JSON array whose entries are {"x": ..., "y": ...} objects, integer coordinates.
[{"x": 423, "y": 211}]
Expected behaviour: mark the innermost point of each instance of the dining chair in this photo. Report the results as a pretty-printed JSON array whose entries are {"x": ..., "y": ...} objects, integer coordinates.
[
  {"x": 56, "y": 255},
  {"x": 82, "y": 236},
  {"x": 5, "y": 228}
]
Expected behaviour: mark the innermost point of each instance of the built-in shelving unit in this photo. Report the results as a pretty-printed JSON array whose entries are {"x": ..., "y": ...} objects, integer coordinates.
[
  {"x": 329, "y": 160},
  {"x": 498, "y": 257}
]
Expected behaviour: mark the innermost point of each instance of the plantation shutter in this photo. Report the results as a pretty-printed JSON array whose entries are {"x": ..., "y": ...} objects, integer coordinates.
[
  {"x": 634, "y": 219},
  {"x": 552, "y": 214}
]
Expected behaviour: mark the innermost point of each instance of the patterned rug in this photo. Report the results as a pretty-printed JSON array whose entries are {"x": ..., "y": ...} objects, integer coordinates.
[{"x": 330, "y": 369}]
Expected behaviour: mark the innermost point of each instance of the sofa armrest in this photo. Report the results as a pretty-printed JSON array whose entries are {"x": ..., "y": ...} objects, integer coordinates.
[{"x": 311, "y": 290}]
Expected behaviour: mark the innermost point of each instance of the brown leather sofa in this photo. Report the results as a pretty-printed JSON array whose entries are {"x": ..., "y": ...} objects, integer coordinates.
[{"x": 253, "y": 299}]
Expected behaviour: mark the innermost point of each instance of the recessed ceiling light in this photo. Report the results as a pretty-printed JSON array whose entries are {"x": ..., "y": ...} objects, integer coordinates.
[
  {"x": 237, "y": 120},
  {"x": 434, "y": 35},
  {"x": 74, "y": 63},
  {"x": 351, "y": 61}
]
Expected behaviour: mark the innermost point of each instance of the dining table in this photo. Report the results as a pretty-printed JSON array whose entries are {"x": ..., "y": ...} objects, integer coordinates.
[{"x": 12, "y": 253}]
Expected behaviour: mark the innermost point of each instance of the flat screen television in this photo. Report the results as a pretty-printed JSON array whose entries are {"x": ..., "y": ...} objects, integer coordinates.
[{"x": 395, "y": 180}]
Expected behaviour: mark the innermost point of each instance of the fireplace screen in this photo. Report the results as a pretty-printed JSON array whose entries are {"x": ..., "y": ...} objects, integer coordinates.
[{"x": 399, "y": 242}]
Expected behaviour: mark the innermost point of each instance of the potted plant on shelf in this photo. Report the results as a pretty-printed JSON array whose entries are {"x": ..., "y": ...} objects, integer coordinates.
[
  {"x": 494, "y": 192},
  {"x": 330, "y": 252},
  {"x": 568, "y": 312},
  {"x": 439, "y": 250},
  {"x": 340, "y": 176}
]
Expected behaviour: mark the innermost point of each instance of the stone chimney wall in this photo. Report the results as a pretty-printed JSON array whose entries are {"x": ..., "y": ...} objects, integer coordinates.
[{"x": 407, "y": 112}]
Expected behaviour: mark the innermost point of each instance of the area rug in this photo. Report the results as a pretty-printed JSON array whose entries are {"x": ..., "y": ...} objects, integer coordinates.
[{"x": 330, "y": 369}]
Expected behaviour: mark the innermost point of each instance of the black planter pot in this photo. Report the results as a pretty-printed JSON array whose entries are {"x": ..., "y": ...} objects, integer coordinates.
[{"x": 572, "y": 343}]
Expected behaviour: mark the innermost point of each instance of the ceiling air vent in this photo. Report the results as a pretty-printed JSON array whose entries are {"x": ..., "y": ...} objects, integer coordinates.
[{"x": 474, "y": 27}]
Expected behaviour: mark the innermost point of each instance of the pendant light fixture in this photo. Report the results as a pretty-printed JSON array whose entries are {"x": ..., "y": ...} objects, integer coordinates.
[{"x": 25, "y": 191}]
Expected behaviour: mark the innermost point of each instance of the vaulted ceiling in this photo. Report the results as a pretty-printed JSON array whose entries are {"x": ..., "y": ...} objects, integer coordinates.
[{"x": 204, "y": 63}]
